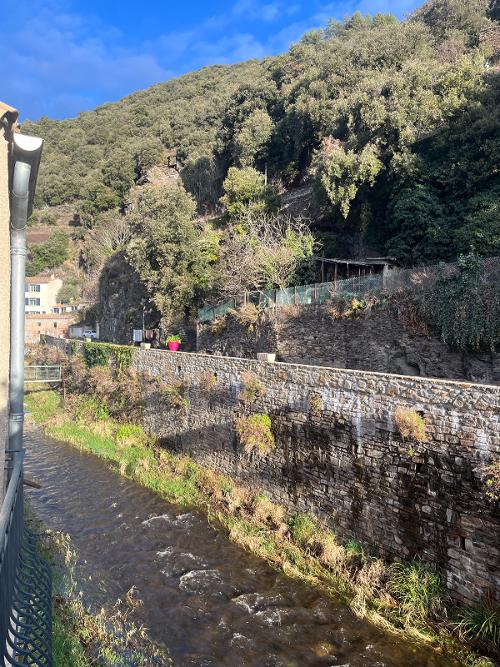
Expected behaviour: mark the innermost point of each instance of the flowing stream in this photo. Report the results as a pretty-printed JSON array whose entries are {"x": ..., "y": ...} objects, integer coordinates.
[{"x": 207, "y": 600}]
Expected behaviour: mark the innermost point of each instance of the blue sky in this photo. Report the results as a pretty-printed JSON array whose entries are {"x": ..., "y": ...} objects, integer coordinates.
[{"x": 65, "y": 56}]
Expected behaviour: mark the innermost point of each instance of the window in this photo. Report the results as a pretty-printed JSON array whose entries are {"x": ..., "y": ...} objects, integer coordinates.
[
  {"x": 39, "y": 324},
  {"x": 32, "y": 288},
  {"x": 32, "y": 302},
  {"x": 55, "y": 325}
]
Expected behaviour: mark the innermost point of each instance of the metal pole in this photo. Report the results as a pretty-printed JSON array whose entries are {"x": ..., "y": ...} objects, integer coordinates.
[{"x": 27, "y": 152}]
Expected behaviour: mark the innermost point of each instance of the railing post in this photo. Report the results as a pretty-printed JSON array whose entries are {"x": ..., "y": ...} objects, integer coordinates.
[{"x": 295, "y": 295}]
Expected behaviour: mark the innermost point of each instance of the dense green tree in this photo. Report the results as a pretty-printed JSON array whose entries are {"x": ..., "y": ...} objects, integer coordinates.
[
  {"x": 341, "y": 173},
  {"x": 97, "y": 198},
  {"x": 48, "y": 255},
  {"x": 119, "y": 172},
  {"x": 446, "y": 16},
  {"x": 253, "y": 135},
  {"x": 245, "y": 192},
  {"x": 166, "y": 250},
  {"x": 69, "y": 292}
]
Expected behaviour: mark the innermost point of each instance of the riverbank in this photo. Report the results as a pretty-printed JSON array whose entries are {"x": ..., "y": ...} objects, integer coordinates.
[
  {"x": 82, "y": 636},
  {"x": 406, "y": 599}
]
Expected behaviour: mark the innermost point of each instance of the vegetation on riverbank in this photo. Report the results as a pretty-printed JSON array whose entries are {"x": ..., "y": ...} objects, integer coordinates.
[
  {"x": 406, "y": 598},
  {"x": 80, "y": 636}
]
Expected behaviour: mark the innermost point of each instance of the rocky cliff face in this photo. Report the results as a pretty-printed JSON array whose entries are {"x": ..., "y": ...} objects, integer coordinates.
[
  {"x": 120, "y": 302},
  {"x": 377, "y": 341}
]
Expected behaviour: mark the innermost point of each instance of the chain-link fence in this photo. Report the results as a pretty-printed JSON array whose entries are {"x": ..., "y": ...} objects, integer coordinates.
[
  {"x": 302, "y": 295},
  {"x": 389, "y": 282}
]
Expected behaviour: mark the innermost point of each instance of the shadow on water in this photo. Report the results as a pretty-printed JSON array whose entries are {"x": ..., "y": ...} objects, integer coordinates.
[{"x": 208, "y": 601}]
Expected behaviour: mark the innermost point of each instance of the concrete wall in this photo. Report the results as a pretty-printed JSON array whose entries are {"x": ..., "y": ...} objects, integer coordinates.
[
  {"x": 339, "y": 454},
  {"x": 378, "y": 341}
]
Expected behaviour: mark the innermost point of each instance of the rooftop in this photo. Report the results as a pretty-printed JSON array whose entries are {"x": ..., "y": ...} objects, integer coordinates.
[{"x": 37, "y": 280}]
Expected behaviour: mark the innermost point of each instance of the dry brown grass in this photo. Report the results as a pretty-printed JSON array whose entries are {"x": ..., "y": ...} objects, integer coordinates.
[
  {"x": 315, "y": 404},
  {"x": 267, "y": 512},
  {"x": 369, "y": 582},
  {"x": 491, "y": 476},
  {"x": 218, "y": 326},
  {"x": 332, "y": 554},
  {"x": 207, "y": 381},
  {"x": 239, "y": 500},
  {"x": 246, "y": 315},
  {"x": 410, "y": 424},
  {"x": 252, "y": 387}
]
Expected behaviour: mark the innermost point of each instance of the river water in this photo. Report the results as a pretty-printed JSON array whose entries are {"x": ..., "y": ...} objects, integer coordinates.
[{"x": 205, "y": 599}]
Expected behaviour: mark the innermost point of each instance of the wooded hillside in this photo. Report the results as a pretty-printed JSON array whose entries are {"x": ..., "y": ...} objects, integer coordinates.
[{"x": 394, "y": 124}]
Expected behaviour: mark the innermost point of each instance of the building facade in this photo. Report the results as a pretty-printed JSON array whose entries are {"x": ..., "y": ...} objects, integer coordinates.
[
  {"x": 54, "y": 324},
  {"x": 40, "y": 295}
]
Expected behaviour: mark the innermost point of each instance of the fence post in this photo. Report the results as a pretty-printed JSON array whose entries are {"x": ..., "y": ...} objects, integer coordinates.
[
  {"x": 295, "y": 295},
  {"x": 315, "y": 293}
]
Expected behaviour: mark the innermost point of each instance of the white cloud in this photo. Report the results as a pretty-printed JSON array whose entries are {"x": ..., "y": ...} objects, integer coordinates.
[{"x": 58, "y": 62}]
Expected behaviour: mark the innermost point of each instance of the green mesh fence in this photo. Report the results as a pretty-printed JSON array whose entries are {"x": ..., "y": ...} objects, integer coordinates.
[{"x": 301, "y": 295}]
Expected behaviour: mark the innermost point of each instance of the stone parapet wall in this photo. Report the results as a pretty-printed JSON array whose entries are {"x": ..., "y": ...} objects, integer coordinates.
[
  {"x": 339, "y": 454},
  {"x": 377, "y": 341},
  {"x": 346, "y": 462}
]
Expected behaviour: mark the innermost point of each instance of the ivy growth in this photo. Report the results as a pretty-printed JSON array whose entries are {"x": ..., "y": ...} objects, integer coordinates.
[{"x": 96, "y": 354}]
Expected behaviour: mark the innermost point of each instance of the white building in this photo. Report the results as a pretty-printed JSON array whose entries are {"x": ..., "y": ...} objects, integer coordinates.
[{"x": 40, "y": 294}]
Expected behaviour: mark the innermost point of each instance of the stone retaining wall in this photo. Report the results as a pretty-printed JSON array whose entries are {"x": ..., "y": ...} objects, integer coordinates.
[
  {"x": 377, "y": 341},
  {"x": 339, "y": 455}
]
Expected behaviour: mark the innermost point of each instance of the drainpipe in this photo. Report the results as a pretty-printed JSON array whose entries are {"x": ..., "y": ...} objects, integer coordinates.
[{"x": 26, "y": 153}]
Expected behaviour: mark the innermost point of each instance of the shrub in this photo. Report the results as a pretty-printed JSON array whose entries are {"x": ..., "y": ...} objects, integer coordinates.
[
  {"x": 174, "y": 395},
  {"x": 252, "y": 388},
  {"x": 207, "y": 381},
  {"x": 174, "y": 339},
  {"x": 464, "y": 305},
  {"x": 315, "y": 404},
  {"x": 246, "y": 315},
  {"x": 123, "y": 356},
  {"x": 218, "y": 326},
  {"x": 75, "y": 374},
  {"x": 482, "y": 625},
  {"x": 410, "y": 424},
  {"x": 255, "y": 433},
  {"x": 491, "y": 476},
  {"x": 96, "y": 354},
  {"x": 302, "y": 529},
  {"x": 418, "y": 589},
  {"x": 354, "y": 548}
]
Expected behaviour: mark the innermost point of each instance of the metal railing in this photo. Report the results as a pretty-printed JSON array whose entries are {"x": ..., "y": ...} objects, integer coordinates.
[
  {"x": 25, "y": 584},
  {"x": 314, "y": 294},
  {"x": 42, "y": 373}
]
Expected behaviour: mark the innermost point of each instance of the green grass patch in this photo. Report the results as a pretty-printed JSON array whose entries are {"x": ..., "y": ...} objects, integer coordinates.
[{"x": 43, "y": 405}]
